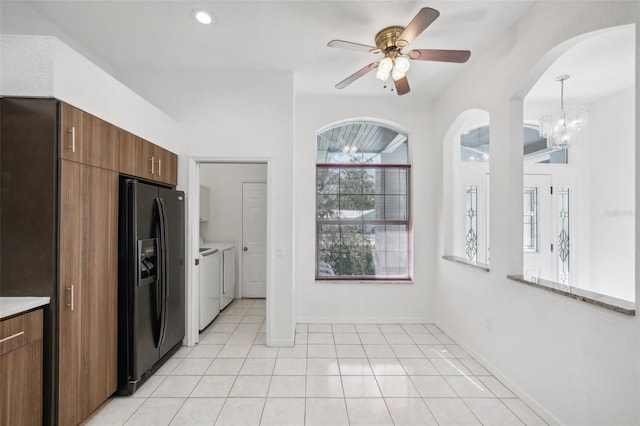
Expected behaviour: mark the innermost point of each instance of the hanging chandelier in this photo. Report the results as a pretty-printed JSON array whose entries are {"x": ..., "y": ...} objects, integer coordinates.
[{"x": 562, "y": 127}]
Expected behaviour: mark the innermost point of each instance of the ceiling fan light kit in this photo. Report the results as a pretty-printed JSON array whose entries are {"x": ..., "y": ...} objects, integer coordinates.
[{"x": 389, "y": 42}]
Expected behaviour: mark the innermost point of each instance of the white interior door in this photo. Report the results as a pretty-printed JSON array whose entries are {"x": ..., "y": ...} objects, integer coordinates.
[
  {"x": 254, "y": 239},
  {"x": 537, "y": 227}
]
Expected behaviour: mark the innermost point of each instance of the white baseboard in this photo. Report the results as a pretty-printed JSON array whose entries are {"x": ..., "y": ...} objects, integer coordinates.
[
  {"x": 363, "y": 320},
  {"x": 281, "y": 343},
  {"x": 539, "y": 409}
]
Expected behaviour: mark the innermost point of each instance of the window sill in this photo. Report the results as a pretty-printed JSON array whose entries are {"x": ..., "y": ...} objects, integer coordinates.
[
  {"x": 456, "y": 259},
  {"x": 343, "y": 281},
  {"x": 612, "y": 303}
]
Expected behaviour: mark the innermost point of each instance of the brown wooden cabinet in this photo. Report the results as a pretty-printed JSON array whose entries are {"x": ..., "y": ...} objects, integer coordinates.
[
  {"x": 59, "y": 239},
  {"x": 21, "y": 369},
  {"x": 166, "y": 169},
  {"x": 88, "y": 289},
  {"x": 87, "y": 139},
  {"x": 141, "y": 158}
]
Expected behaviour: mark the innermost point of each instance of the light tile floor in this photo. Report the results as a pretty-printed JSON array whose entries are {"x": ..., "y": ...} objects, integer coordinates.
[{"x": 337, "y": 374}]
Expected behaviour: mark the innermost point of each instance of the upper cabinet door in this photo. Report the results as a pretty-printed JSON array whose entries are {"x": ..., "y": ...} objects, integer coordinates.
[
  {"x": 141, "y": 158},
  {"x": 103, "y": 148},
  {"x": 136, "y": 156},
  {"x": 87, "y": 139},
  {"x": 72, "y": 133},
  {"x": 166, "y": 169}
]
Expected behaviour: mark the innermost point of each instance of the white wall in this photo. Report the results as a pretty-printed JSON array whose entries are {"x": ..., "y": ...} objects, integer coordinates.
[
  {"x": 224, "y": 181},
  {"x": 576, "y": 363},
  {"x": 364, "y": 302},
  {"x": 241, "y": 117},
  {"x": 611, "y": 135}
]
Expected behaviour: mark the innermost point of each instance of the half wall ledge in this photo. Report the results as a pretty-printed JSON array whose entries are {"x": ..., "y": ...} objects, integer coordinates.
[
  {"x": 612, "y": 303},
  {"x": 457, "y": 259}
]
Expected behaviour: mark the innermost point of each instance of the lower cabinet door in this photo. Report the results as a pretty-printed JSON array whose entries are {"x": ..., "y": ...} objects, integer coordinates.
[
  {"x": 88, "y": 289},
  {"x": 21, "y": 386},
  {"x": 98, "y": 377}
]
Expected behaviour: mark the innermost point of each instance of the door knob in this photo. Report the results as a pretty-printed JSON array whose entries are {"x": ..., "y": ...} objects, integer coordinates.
[{"x": 246, "y": 248}]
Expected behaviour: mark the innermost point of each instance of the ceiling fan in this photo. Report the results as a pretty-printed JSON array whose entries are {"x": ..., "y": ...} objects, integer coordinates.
[{"x": 389, "y": 42}]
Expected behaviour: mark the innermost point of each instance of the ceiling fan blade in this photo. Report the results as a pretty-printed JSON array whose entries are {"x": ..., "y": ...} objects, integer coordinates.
[
  {"x": 402, "y": 86},
  {"x": 353, "y": 46},
  {"x": 353, "y": 77},
  {"x": 458, "y": 56},
  {"x": 418, "y": 24}
]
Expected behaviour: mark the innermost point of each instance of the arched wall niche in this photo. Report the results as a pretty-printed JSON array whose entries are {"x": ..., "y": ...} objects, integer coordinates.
[
  {"x": 585, "y": 209},
  {"x": 466, "y": 188}
]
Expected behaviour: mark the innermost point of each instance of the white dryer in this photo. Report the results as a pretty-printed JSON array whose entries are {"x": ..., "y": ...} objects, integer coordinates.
[{"x": 227, "y": 271}]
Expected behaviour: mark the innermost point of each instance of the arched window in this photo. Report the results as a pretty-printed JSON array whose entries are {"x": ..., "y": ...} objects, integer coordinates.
[{"x": 362, "y": 203}]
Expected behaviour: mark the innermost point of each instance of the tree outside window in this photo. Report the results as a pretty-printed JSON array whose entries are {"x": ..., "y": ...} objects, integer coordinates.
[{"x": 362, "y": 204}]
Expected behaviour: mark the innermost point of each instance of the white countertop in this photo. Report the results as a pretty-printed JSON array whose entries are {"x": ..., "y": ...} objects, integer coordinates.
[{"x": 15, "y": 305}]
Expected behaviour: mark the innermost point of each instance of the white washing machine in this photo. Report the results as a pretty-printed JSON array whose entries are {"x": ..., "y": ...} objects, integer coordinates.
[
  {"x": 210, "y": 269},
  {"x": 227, "y": 271}
]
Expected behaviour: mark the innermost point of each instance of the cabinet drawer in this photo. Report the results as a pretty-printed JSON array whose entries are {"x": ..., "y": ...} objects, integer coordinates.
[{"x": 20, "y": 330}]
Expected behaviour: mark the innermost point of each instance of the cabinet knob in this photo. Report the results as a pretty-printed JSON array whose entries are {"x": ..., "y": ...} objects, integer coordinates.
[{"x": 245, "y": 249}]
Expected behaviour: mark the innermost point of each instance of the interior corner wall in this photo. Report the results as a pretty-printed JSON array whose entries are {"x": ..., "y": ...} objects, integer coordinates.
[
  {"x": 573, "y": 362},
  {"x": 335, "y": 302}
]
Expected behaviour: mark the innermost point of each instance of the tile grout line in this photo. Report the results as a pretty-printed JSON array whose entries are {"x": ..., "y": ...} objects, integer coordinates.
[{"x": 444, "y": 342}]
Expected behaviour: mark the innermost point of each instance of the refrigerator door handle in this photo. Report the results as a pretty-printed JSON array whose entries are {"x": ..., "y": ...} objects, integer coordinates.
[
  {"x": 165, "y": 248},
  {"x": 163, "y": 260}
]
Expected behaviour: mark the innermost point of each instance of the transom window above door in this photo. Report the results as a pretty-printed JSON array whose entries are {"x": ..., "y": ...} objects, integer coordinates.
[{"x": 363, "y": 203}]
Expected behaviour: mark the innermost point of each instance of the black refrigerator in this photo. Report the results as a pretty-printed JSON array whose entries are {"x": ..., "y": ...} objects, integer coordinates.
[{"x": 151, "y": 290}]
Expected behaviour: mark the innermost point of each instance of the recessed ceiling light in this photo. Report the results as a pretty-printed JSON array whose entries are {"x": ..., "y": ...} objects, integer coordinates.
[{"x": 202, "y": 17}]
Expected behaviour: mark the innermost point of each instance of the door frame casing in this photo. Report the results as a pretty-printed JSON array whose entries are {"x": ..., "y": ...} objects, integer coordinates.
[{"x": 192, "y": 230}]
